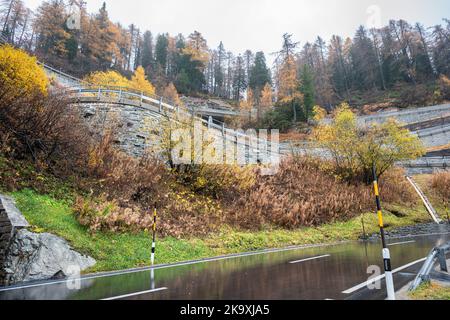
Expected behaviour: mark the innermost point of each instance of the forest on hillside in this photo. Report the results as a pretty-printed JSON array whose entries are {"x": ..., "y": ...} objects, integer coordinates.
[{"x": 374, "y": 62}]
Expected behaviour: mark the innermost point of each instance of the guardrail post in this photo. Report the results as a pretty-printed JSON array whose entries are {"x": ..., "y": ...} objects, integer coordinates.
[
  {"x": 160, "y": 105},
  {"x": 442, "y": 260},
  {"x": 99, "y": 93},
  {"x": 210, "y": 122},
  {"x": 120, "y": 94},
  {"x": 142, "y": 97}
]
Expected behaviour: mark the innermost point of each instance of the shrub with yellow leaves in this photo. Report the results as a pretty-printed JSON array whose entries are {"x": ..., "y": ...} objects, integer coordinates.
[
  {"x": 355, "y": 150},
  {"x": 107, "y": 78},
  {"x": 20, "y": 75}
]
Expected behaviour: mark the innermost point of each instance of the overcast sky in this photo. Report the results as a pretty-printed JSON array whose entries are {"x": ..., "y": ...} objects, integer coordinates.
[{"x": 259, "y": 24}]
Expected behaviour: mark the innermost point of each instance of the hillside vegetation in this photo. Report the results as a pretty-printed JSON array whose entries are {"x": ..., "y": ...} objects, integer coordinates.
[
  {"x": 397, "y": 65},
  {"x": 71, "y": 180}
]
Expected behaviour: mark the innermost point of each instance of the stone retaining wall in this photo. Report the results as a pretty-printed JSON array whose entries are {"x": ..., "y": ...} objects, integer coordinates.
[
  {"x": 10, "y": 221},
  {"x": 27, "y": 256},
  {"x": 137, "y": 128}
]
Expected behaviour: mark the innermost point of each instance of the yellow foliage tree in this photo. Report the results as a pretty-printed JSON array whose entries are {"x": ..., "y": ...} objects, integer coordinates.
[
  {"x": 197, "y": 48},
  {"x": 108, "y": 78},
  {"x": 287, "y": 80},
  {"x": 319, "y": 113},
  {"x": 139, "y": 82},
  {"x": 20, "y": 74},
  {"x": 355, "y": 150},
  {"x": 266, "y": 101},
  {"x": 171, "y": 93}
]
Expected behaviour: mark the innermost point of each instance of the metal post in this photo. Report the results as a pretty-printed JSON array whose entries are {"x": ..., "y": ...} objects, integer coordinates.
[
  {"x": 442, "y": 260},
  {"x": 210, "y": 122},
  {"x": 363, "y": 228},
  {"x": 160, "y": 105},
  {"x": 99, "y": 93},
  {"x": 154, "y": 238},
  {"x": 142, "y": 97},
  {"x": 386, "y": 254}
]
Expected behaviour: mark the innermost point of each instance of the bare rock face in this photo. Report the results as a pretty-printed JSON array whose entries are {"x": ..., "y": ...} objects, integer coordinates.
[
  {"x": 33, "y": 257},
  {"x": 27, "y": 256}
]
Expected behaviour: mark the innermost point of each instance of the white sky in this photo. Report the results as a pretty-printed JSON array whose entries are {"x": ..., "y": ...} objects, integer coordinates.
[{"x": 259, "y": 24}]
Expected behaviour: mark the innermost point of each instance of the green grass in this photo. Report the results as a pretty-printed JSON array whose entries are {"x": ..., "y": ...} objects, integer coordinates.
[
  {"x": 115, "y": 251},
  {"x": 431, "y": 291}
]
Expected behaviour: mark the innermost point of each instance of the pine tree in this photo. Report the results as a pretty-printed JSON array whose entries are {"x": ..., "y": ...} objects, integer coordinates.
[
  {"x": 161, "y": 52},
  {"x": 307, "y": 89},
  {"x": 239, "y": 79},
  {"x": 259, "y": 73},
  {"x": 147, "y": 51}
]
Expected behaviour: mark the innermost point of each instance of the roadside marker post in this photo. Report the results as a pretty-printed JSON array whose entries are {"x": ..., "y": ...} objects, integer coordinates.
[
  {"x": 154, "y": 238},
  {"x": 386, "y": 253}
]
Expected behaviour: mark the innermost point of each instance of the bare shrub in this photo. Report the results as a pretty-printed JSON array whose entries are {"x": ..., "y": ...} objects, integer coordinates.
[
  {"x": 184, "y": 214},
  {"x": 145, "y": 180},
  {"x": 394, "y": 187},
  {"x": 218, "y": 181},
  {"x": 46, "y": 129}
]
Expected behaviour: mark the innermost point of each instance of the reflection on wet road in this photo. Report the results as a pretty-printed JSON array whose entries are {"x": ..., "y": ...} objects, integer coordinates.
[{"x": 309, "y": 273}]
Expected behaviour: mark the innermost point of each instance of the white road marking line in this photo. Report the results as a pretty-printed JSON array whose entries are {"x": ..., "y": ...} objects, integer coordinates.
[
  {"x": 309, "y": 259},
  {"x": 135, "y": 294},
  {"x": 399, "y": 243},
  {"x": 371, "y": 281}
]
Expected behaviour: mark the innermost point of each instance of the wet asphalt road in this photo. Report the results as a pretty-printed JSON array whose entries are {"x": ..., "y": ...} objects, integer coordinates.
[{"x": 328, "y": 272}]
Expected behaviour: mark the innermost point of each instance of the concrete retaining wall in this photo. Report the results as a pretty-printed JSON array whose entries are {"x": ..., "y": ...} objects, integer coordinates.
[
  {"x": 436, "y": 136},
  {"x": 409, "y": 115}
]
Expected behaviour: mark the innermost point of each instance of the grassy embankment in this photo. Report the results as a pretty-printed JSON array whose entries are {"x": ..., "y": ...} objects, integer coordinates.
[
  {"x": 431, "y": 291},
  {"x": 50, "y": 210},
  {"x": 118, "y": 251}
]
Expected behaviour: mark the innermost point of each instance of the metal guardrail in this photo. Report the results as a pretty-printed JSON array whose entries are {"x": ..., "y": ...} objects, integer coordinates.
[
  {"x": 428, "y": 162},
  {"x": 93, "y": 94},
  {"x": 438, "y": 253},
  {"x": 165, "y": 107}
]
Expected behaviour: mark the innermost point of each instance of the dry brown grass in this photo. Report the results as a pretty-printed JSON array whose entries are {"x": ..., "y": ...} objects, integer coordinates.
[
  {"x": 440, "y": 182},
  {"x": 300, "y": 194},
  {"x": 200, "y": 200}
]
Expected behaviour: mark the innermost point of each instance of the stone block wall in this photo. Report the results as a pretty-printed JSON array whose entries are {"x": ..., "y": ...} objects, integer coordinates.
[
  {"x": 5, "y": 235},
  {"x": 137, "y": 127},
  {"x": 11, "y": 220}
]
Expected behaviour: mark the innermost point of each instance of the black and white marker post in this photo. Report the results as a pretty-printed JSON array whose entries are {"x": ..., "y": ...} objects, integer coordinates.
[
  {"x": 152, "y": 258},
  {"x": 386, "y": 254}
]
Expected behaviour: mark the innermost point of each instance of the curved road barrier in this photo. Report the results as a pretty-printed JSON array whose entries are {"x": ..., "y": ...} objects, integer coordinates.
[{"x": 438, "y": 253}]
